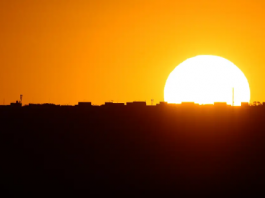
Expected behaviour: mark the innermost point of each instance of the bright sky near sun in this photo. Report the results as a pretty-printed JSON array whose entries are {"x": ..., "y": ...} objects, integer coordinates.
[
  {"x": 207, "y": 79},
  {"x": 65, "y": 51}
]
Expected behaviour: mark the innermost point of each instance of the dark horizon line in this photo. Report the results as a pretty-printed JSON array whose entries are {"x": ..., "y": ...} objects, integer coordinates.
[{"x": 138, "y": 103}]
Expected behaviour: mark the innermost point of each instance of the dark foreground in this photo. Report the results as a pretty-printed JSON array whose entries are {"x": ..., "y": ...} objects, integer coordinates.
[{"x": 133, "y": 151}]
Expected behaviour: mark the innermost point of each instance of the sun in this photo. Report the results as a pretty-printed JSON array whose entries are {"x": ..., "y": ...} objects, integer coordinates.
[{"x": 206, "y": 79}]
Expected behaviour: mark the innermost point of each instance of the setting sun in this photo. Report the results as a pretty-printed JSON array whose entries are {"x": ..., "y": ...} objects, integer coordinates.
[{"x": 206, "y": 79}]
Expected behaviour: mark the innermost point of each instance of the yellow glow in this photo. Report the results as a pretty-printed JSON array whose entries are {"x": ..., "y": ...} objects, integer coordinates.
[{"x": 206, "y": 79}]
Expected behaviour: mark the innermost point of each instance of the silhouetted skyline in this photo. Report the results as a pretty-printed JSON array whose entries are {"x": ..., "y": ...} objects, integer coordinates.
[
  {"x": 128, "y": 149},
  {"x": 140, "y": 104}
]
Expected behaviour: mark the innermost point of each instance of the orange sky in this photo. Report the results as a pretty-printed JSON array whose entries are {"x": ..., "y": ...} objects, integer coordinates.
[{"x": 65, "y": 51}]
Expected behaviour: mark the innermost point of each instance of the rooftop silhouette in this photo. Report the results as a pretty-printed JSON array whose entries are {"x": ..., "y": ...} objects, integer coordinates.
[
  {"x": 135, "y": 104},
  {"x": 184, "y": 149}
]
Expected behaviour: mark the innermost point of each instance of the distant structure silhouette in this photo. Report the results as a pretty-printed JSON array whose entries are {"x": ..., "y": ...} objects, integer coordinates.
[
  {"x": 186, "y": 149},
  {"x": 233, "y": 97},
  {"x": 21, "y": 98},
  {"x": 84, "y": 104},
  {"x": 244, "y": 104},
  {"x": 18, "y": 103},
  {"x": 137, "y": 104}
]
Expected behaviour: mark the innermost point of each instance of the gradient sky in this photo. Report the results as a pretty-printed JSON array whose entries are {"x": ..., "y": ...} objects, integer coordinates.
[{"x": 65, "y": 51}]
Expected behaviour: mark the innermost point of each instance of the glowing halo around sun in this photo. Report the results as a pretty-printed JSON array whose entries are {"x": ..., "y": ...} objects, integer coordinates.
[{"x": 206, "y": 79}]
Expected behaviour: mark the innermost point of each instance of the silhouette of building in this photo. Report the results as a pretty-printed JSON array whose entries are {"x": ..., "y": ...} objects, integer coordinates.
[
  {"x": 162, "y": 104},
  {"x": 136, "y": 104},
  {"x": 111, "y": 104},
  {"x": 107, "y": 146},
  {"x": 84, "y": 104},
  {"x": 220, "y": 104},
  {"x": 49, "y": 105},
  {"x": 17, "y": 104},
  {"x": 244, "y": 104},
  {"x": 188, "y": 104}
]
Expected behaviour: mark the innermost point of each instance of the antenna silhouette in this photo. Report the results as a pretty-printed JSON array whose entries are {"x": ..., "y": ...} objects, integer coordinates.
[
  {"x": 233, "y": 97},
  {"x": 21, "y": 96}
]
